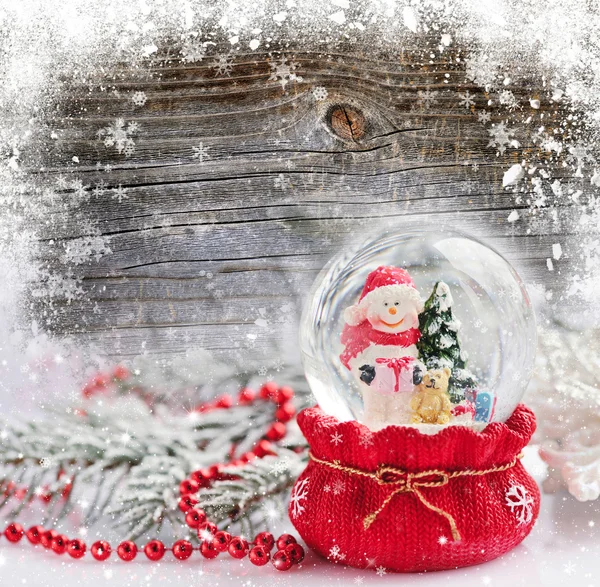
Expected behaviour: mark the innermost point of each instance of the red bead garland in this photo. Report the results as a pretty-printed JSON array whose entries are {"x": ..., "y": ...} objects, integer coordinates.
[
  {"x": 213, "y": 541},
  {"x": 154, "y": 550}
]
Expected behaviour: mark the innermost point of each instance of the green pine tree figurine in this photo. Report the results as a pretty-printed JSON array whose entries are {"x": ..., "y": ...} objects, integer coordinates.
[{"x": 439, "y": 346}]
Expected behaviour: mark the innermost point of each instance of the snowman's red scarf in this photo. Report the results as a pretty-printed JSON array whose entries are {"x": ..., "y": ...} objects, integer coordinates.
[{"x": 357, "y": 338}]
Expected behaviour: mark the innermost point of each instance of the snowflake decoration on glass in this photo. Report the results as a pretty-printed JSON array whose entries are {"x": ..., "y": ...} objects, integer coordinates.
[
  {"x": 335, "y": 554},
  {"x": 298, "y": 497},
  {"x": 520, "y": 503},
  {"x": 381, "y": 571},
  {"x": 359, "y": 580},
  {"x": 483, "y": 116},
  {"x": 336, "y": 438},
  {"x": 223, "y": 65},
  {"x": 500, "y": 137},
  {"x": 118, "y": 135},
  {"x": 120, "y": 194},
  {"x": 193, "y": 50},
  {"x": 201, "y": 152},
  {"x": 139, "y": 98},
  {"x": 320, "y": 93},
  {"x": 284, "y": 72},
  {"x": 427, "y": 98},
  {"x": 466, "y": 99}
]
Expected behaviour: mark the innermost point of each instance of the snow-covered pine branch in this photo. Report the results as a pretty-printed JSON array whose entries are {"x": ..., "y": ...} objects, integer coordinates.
[{"x": 124, "y": 457}]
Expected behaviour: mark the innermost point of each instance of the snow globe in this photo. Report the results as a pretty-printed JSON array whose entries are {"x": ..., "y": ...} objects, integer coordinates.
[{"x": 418, "y": 346}]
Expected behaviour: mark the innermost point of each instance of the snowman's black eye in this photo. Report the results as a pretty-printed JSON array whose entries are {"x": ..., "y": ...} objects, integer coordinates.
[
  {"x": 385, "y": 304},
  {"x": 396, "y": 303}
]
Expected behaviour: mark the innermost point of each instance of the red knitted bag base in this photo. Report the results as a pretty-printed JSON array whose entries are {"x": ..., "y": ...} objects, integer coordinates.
[{"x": 406, "y": 501}]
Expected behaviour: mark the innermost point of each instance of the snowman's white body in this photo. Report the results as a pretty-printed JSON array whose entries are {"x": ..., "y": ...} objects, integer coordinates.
[{"x": 383, "y": 405}]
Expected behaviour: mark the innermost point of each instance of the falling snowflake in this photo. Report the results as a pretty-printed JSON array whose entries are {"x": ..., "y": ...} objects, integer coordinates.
[
  {"x": 381, "y": 571},
  {"x": 336, "y": 438},
  {"x": 280, "y": 466},
  {"x": 359, "y": 580},
  {"x": 569, "y": 568},
  {"x": 83, "y": 249},
  {"x": 118, "y": 135},
  {"x": 335, "y": 554},
  {"x": 427, "y": 98},
  {"x": 139, "y": 98},
  {"x": 282, "y": 182},
  {"x": 223, "y": 65},
  {"x": 99, "y": 189},
  {"x": 442, "y": 540},
  {"x": 484, "y": 117},
  {"x": 120, "y": 194},
  {"x": 284, "y": 71},
  {"x": 201, "y": 152},
  {"x": 320, "y": 93},
  {"x": 500, "y": 137},
  {"x": 507, "y": 98},
  {"x": 520, "y": 503},
  {"x": 299, "y": 495},
  {"x": 193, "y": 50},
  {"x": 466, "y": 99}
]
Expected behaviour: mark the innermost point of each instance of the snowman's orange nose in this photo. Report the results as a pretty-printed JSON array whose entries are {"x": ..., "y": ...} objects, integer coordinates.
[{"x": 392, "y": 311}]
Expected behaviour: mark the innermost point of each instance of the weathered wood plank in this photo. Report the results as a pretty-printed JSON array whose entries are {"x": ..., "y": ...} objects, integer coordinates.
[{"x": 274, "y": 191}]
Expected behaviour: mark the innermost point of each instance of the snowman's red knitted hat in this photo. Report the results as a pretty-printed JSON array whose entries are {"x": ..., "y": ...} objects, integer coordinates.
[{"x": 383, "y": 282}]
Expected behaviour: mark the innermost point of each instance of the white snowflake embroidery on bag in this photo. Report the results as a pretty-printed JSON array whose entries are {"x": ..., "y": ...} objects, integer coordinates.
[
  {"x": 299, "y": 494},
  {"x": 520, "y": 503}
]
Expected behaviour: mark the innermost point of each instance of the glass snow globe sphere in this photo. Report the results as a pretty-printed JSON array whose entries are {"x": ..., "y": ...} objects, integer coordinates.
[{"x": 418, "y": 326}]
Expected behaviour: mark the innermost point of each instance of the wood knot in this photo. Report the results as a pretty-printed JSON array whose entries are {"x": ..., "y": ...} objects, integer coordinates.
[{"x": 347, "y": 122}]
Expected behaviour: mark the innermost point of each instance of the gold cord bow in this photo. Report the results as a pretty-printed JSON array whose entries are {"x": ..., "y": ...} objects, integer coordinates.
[{"x": 405, "y": 482}]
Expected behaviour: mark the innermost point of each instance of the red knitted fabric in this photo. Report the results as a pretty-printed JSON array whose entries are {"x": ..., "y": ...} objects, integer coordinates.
[{"x": 492, "y": 512}]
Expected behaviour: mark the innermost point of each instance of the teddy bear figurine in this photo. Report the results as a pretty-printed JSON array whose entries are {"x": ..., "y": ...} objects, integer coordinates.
[{"x": 431, "y": 403}]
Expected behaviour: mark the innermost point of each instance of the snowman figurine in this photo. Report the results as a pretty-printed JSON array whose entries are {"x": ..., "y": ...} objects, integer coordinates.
[{"x": 379, "y": 339}]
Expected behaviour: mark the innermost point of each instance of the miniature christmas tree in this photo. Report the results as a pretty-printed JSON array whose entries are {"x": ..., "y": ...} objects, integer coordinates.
[{"x": 439, "y": 346}]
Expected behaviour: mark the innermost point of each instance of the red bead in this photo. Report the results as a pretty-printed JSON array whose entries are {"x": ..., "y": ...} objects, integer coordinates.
[
  {"x": 200, "y": 479},
  {"x": 188, "y": 486},
  {"x": 259, "y": 556},
  {"x": 268, "y": 391},
  {"x": 100, "y": 550},
  {"x": 14, "y": 532},
  {"x": 127, "y": 550},
  {"x": 264, "y": 447},
  {"x": 47, "y": 537},
  {"x": 285, "y": 412},
  {"x": 121, "y": 373},
  {"x": 276, "y": 431},
  {"x": 246, "y": 396},
  {"x": 295, "y": 552},
  {"x": 207, "y": 530},
  {"x": 221, "y": 541},
  {"x": 284, "y": 540},
  {"x": 282, "y": 561},
  {"x": 284, "y": 394},
  {"x": 182, "y": 550},
  {"x": 238, "y": 547},
  {"x": 20, "y": 493},
  {"x": 76, "y": 548},
  {"x": 247, "y": 457},
  {"x": 265, "y": 539},
  {"x": 225, "y": 401},
  {"x": 208, "y": 550},
  {"x": 187, "y": 502},
  {"x": 194, "y": 518},
  {"x": 34, "y": 534},
  {"x": 59, "y": 544},
  {"x": 154, "y": 550}
]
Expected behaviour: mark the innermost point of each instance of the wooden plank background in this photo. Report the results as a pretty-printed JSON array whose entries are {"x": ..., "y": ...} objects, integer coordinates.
[{"x": 202, "y": 249}]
